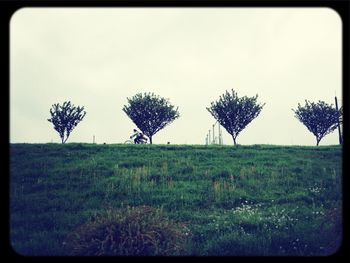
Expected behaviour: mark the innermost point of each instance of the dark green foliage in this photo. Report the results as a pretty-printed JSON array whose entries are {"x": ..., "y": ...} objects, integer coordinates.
[
  {"x": 233, "y": 244},
  {"x": 150, "y": 113},
  {"x": 134, "y": 231},
  {"x": 319, "y": 118},
  {"x": 235, "y": 113},
  {"x": 341, "y": 114},
  {"x": 65, "y": 118},
  {"x": 246, "y": 200}
]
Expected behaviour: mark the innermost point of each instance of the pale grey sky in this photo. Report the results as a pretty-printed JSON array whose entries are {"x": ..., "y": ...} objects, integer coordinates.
[{"x": 97, "y": 57}]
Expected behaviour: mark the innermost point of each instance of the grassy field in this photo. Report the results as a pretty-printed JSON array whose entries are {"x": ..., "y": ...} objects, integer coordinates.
[{"x": 243, "y": 200}]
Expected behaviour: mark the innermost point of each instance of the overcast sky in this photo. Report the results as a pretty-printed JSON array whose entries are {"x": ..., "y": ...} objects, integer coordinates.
[{"x": 97, "y": 57}]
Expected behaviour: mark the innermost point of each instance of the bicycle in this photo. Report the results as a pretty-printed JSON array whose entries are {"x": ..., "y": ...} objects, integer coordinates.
[{"x": 140, "y": 141}]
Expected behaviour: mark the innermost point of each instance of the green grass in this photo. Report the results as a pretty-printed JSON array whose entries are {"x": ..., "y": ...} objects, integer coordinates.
[{"x": 242, "y": 200}]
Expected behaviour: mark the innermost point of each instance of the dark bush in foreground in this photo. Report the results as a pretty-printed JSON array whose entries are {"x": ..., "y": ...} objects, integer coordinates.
[{"x": 138, "y": 231}]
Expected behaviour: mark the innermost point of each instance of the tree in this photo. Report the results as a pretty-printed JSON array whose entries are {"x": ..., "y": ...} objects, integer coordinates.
[
  {"x": 65, "y": 118},
  {"x": 234, "y": 113},
  {"x": 150, "y": 113},
  {"x": 341, "y": 112},
  {"x": 319, "y": 118}
]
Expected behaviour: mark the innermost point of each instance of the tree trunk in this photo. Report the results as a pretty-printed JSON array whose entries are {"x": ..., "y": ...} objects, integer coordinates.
[
  {"x": 338, "y": 122},
  {"x": 150, "y": 139},
  {"x": 234, "y": 140},
  {"x": 317, "y": 142}
]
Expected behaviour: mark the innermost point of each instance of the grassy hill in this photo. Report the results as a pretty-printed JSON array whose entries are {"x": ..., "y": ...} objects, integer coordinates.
[{"x": 243, "y": 200}]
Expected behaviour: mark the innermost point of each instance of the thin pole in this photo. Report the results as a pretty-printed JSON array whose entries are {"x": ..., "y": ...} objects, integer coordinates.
[
  {"x": 209, "y": 137},
  {"x": 336, "y": 106},
  {"x": 213, "y": 134},
  {"x": 93, "y": 140}
]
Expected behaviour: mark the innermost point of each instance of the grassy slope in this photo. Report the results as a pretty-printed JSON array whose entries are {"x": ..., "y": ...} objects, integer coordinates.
[{"x": 244, "y": 200}]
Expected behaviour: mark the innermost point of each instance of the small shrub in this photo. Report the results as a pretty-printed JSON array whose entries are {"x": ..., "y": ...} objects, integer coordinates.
[{"x": 135, "y": 231}]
